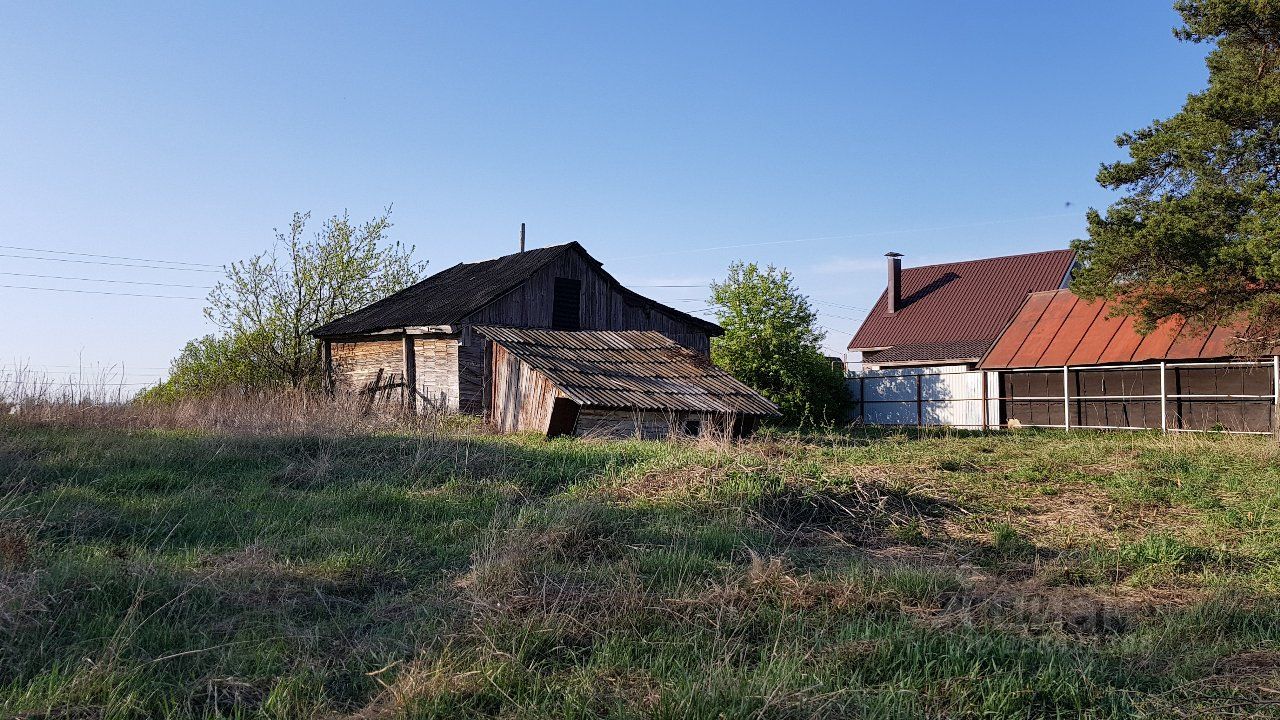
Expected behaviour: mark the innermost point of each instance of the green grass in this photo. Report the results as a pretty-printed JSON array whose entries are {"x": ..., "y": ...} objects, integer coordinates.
[{"x": 451, "y": 573}]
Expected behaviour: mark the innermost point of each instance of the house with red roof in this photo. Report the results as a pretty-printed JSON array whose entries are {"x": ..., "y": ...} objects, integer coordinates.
[
  {"x": 1002, "y": 342},
  {"x": 952, "y": 313}
]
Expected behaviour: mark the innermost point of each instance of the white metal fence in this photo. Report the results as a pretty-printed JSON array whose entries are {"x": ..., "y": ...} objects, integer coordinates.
[{"x": 925, "y": 396}]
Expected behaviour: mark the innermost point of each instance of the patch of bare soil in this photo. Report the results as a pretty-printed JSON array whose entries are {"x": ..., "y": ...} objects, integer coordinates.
[{"x": 1251, "y": 666}]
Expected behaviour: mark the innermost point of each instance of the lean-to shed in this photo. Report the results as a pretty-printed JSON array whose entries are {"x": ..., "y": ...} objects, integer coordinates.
[{"x": 611, "y": 384}]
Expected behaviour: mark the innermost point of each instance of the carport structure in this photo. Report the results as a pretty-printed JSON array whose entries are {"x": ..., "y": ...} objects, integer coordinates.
[{"x": 1065, "y": 362}]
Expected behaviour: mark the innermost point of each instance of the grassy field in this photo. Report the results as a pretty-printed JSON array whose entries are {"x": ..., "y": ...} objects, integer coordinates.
[{"x": 442, "y": 572}]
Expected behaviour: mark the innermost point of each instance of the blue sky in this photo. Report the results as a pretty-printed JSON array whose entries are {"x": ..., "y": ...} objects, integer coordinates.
[{"x": 646, "y": 131}]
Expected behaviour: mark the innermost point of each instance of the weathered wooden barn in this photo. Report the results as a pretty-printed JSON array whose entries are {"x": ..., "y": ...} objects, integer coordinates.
[
  {"x": 420, "y": 341},
  {"x": 1066, "y": 362},
  {"x": 612, "y": 384}
]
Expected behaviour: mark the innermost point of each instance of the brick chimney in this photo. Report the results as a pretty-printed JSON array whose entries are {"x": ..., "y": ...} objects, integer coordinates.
[{"x": 894, "y": 290}]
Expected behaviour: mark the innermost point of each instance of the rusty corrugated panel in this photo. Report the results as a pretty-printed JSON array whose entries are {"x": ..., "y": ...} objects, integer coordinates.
[
  {"x": 962, "y": 304},
  {"x": 1045, "y": 329},
  {"x": 1217, "y": 344},
  {"x": 1082, "y": 317},
  {"x": 1023, "y": 323},
  {"x": 1156, "y": 345},
  {"x": 1189, "y": 343},
  {"x": 1089, "y": 337},
  {"x": 1096, "y": 338},
  {"x": 1123, "y": 343}
]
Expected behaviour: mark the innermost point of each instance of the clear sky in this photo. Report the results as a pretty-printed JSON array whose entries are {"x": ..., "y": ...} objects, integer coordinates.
[{"x": 646, "y": 131}]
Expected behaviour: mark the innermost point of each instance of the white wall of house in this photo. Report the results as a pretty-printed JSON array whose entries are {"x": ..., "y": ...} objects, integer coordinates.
[{"x": 949, "y": 395}]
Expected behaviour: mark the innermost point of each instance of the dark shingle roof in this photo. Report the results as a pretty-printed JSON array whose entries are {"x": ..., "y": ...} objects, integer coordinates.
[
  {"x": 924, "y": 352},
  {"x": 452, "y": 294},
  {"x": 961, "y": 306},
  {"x": 629, "y": 369}
]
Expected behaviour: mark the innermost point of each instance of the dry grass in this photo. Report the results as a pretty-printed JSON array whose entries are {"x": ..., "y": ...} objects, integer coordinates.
[{"x": 294, "y": 556}]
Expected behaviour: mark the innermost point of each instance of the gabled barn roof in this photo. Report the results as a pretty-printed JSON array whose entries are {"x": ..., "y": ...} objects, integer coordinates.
[
  {"x": 450, "y": 295},
  {"x": 1057, "y": 328},
  {"x": 956, "y": 310},
  {"x": 629, "y": 369}
]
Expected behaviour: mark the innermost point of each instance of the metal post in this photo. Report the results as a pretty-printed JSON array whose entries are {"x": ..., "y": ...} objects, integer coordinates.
[
  {"x": 1275, "y": 396},
  {"x": 1164, "y": 402},
  {"x": 862, "y": 398},
  {"x": 1066, "y": 399},
  {"x": 986, "y": 420},
  {"x": 919, "y": 400}
]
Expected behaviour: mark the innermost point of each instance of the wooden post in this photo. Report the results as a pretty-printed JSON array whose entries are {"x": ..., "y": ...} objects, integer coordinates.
[
  {"x": 1164, "y": 401},
  {"x": 1066, "y": 398},
  {"x": 410, "y": 374},
  {"x": 326, "y": 363}
]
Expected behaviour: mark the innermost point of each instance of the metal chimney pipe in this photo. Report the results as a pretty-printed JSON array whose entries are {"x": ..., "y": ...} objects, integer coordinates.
[
  {"x": 521, "y": 237},
  {"x": 893, "y": 293}
]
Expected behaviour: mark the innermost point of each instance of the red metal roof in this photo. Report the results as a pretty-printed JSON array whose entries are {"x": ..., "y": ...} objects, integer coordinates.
[
  {"x": 1056, "y": 328},
  {"x": 960, "y": 306}
]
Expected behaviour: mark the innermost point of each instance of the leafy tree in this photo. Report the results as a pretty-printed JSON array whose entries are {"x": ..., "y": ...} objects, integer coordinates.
[
  {"x": 1198, "y": 231},
  {"x": 772, "y": 342},
  {"x": 212, "y": 363},
  {"x": 269, "y": 303}
]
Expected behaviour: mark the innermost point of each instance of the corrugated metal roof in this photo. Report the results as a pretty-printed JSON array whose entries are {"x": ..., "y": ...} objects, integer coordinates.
[
  {"x": 629, "y": 369},
  {"x": 959, "y": 307},
  {"x": 1057, "y": 328},
  {"x": 450, "y": 295}
]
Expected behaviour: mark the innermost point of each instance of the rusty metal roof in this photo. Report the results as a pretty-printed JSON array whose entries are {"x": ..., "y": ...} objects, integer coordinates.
[
  {"x": 451, "y": 295},
  {"x": 639, "y": 369},
  {"x": 957, "y": 310},
  {"x": 1057, "y": 328}
]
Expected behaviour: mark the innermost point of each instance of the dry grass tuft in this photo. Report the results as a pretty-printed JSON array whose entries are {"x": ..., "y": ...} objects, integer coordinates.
[
  {"x": 420, "y": 683},
  {"x": 15, "y": 545}
]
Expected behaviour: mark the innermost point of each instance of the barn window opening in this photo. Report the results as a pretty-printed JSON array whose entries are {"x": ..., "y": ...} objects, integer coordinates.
[
  {"x": 567, "y": 304},
  {"x": 693, "y": 428}
]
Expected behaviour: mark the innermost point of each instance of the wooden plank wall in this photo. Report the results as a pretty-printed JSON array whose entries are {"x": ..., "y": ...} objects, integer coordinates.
[
  {"x": 521, "y": 397},
  {"x": 356, "y": 364},
  {"x": 437, "y": 371}
]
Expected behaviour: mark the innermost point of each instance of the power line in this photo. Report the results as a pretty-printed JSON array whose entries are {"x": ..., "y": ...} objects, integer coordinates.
[
  {"x": 846, "y": 307},
  {"x": 16, "y": 366},
  {"x": 109, "y": 257},
  {"x": 99, "y": 292},
  {"x": 104, "y": 280},
  {"x": 852, "y": 236},
  {"x": 86, "y": 383},
  {"x": 112, "y": 264}
]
